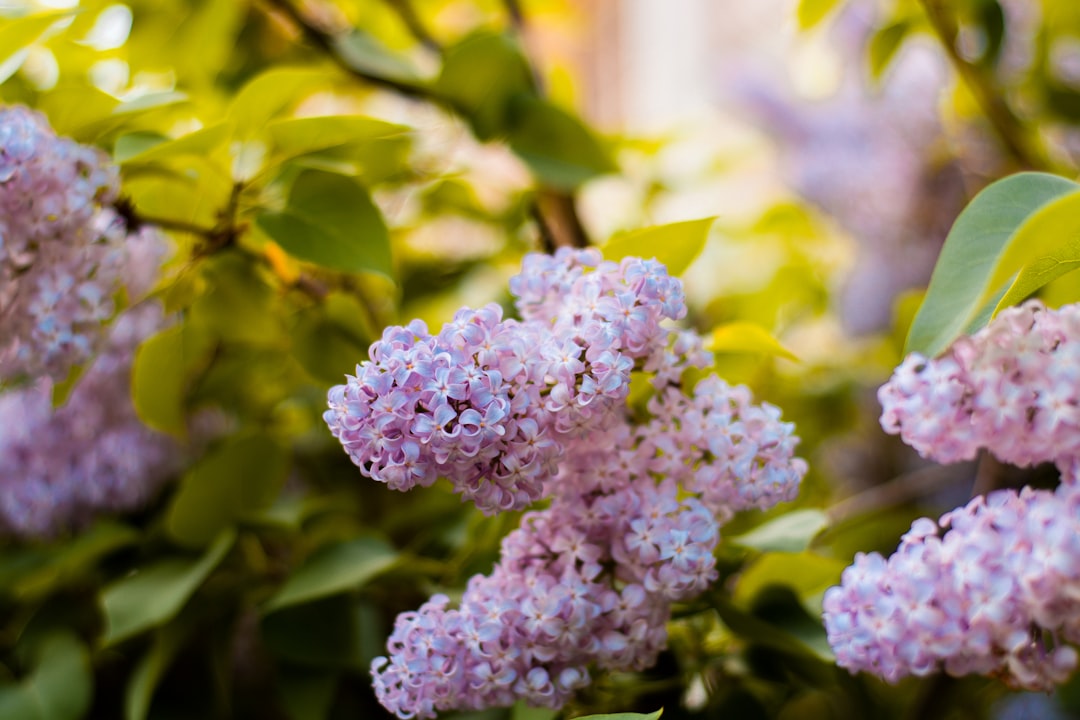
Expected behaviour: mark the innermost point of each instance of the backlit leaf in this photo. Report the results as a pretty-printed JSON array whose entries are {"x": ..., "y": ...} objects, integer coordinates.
[
  {"x": 676, "y": 244},
  {"x": 334, "y": 569},
  {"x": 744, "y": 337}
]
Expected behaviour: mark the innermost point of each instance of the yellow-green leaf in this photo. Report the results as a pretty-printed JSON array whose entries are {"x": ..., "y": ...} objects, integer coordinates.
[
  {"x": 812, "y": 12},
  {"x": 676, "y": 244},
  {"x": 744, "y": 337},
  {"x": 16, "y": 35}
]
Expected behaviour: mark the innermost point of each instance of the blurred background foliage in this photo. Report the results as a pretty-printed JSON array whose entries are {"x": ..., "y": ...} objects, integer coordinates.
[{"x": 325, "y": 168}]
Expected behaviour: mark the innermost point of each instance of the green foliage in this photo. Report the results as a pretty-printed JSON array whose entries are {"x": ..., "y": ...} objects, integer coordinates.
[
  {"x": 791, "y": 532},
  {"x": 624, "y": 716},
  {"x": 157, "y": 592},
  {"x": 988, "y": 245},
  {"x": 333, "y": 569},
  {"x": 59, "y": 686}
]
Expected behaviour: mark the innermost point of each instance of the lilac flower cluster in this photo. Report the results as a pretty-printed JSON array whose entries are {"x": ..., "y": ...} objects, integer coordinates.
[
  {"x": 635, "y": 508},
  {"x": 995, "y": 595},
  {"x": 488, "y": 402},
  {"x": 59, "y": 467},
  {"x": 62, "y": 250},
  {"x": 1013, "y": 387}
]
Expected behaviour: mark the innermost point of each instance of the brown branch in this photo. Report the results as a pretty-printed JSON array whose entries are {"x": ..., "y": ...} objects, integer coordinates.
[{"x": 1009, "y": 128}]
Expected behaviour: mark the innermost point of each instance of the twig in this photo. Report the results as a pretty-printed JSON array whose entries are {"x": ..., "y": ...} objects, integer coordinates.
[
  {"x": 900, "y": 489},
  {"x": 329, "y": 45},
  {"x": 412, "y": 21},
  {"x": 1009, "y": 128}
]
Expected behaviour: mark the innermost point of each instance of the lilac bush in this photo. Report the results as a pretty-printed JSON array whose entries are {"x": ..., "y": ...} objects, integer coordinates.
[{"x": 516, "y": 411}]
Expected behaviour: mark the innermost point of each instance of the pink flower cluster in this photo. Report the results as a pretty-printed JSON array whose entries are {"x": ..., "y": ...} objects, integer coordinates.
[
  {"x": 635, "y": 508},
  {"x": 62, "y": 250},
  {"x": 1013, "y": 388},
  {"x": 59, "y": 467},
  {"x": 996, "y": 594},
  {"x": 488, "y": 402}
]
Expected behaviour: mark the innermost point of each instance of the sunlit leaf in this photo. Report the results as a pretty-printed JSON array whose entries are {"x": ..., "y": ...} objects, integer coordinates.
[
  {"x": 296, "y": 136},
  {"x": 791, "y": 532},
  {"x": 981, "y": 254},
  {"x": 59, "y": 688},
  {"x": 201, "y": 142},
  {"x": 268, "y": 94},
  {"x": 676, "y": 245},
  {"x": 334, "y": 569},
  {"x": 241, "y": 475},
  {"x": 744, "y": 337},
  {"x": 561, "y": 151},
  {"x": 18, "y": 34},
  {"x": 156, "y": 593},
  {"x": 883, "y": 46},
  {"x": 158, "y": 381},
  {"x": 812, "y": 12},
  {"x": 330, "y": 220}
]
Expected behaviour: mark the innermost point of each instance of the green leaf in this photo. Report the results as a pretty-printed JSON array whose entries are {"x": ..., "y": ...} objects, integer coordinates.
[
  {"x": 239, "y": 305},
  {"x": 558, "y": 147},
  {"x": 73, "y": 110},
  {"x": 812, "y": 12},
  {"x": 242, "y": 475},
  {"x": 158, "y": 381},
  {"x": 59, "y": 688},
  {"x": 806, "y": 573},
  {"x": 980, "y": 255},
  {"x": 744, "y": 337},
  {"x": 155, "y": 594},
  {"x": 201, "y": 142},
  {"x": 480, "y": 76},
  {"x": 297, "y": 136},
  {"x": 623, "y": 716},
  {"x": 268, "y": 93},
  {"x": 139, "y": 693},
  {"x": 334, "y": 569},
  {"x": 791, "y": 532},
  {"x": 676, "y": 245},
  {"x": 1045, "y": 247},
  {"x": 330, "y": 220},
  {"x": 73, "y": 559},
  {"x": 18, "y": 34},
  {"x": 883, "y": 46},
  {"x": 365, "y": 53}
]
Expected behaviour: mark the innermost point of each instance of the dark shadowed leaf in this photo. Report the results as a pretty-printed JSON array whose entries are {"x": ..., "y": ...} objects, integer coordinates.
[{"x": 334, "y": 569}]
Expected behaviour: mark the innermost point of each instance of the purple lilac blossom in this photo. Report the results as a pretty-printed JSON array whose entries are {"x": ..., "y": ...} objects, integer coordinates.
[
  {"x": 60, "y": 467},
  {"x": 488, "y": 403},
  {"x": 996, "y": 593},
  {"x": 1011, "y": 388},
  {"x": 992, "y": 592},
  {"x": 635, "y": 509},
  {"x": 62, "y": 249}
]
